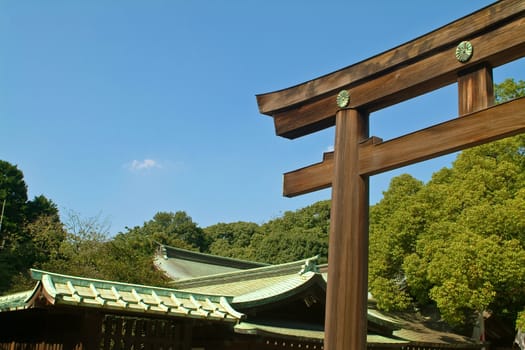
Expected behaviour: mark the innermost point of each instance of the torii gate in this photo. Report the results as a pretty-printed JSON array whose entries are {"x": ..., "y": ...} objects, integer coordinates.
[{"x": 465, "y": 52}]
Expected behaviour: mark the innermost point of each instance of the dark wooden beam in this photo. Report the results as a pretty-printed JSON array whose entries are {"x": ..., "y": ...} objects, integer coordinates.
[
  {"x": 410, "y": 70},
  {"x": 475, "y": 90},
  {"x": 484, "y": 126},
  {"x": 441, "y": 69},
  {"x": 490, "y": 124},
  {"x": 346, "y": 293},
  {"x": 311, "y": 178},
  {"x": 446, "y": 36}
]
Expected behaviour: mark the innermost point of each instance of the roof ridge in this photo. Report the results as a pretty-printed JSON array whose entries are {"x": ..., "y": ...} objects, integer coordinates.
[
  {"x": 192, "y": 255},
  {"x": 41, "y": 275},
  {"x": 15, "y": 301},
  {"x": 75, "y": 291},
  {"x": 298, "y": 267},
  {"x": 279, "y": 290}
]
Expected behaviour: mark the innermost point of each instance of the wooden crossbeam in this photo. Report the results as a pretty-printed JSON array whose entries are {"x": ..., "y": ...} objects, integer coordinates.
[
  {"x": 412, "y": 69},
  {"x": 310, "y": 178},
  {"x": 497, "y": 122}
]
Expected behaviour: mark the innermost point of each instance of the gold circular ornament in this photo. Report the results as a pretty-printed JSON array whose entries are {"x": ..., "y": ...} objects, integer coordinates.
[
  {"x": 343, "y": 98},
  {"x": 464, "y": 51}
]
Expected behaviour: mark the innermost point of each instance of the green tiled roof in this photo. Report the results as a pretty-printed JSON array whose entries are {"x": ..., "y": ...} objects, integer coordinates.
[
  {"x": 83, "y": 292},
  {"x": 382, "y": 319},
  {"x": 15, "y": 301},
  {"x": 260, "y": 285},
  {"x": 180, "y": 264},
  {"x": 419, "y": 330},
  {"x": 303, "y": 333}
]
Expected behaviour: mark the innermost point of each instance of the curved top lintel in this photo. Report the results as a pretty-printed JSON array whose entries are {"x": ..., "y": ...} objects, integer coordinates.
[{"x": 419, "y": 48}]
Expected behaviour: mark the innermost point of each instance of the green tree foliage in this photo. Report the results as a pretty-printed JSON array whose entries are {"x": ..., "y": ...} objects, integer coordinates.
[
  {"x": 128, "y": 257},
  {"x": 458, "y": 240},
  {"x": 80, "y": 253},
  {"x": 41, "y": 206},
  {"x": 13, "y": 198},
  {"x": 30, "y": 230},
  {"x": 472, "y": 272},
  {"x": 124, "y": 262},
  {"x": 296, "y": 235},
  {"x": 232, "y": 239},
  {"x": 88, "y": 252},
  {"x": 42, "y": 233},
  {"x": 175, "y": 229},
  {"x": 394, "y": 225},
  {"x": 509, "y": 89},
  {"x": 47, "y": 235}
]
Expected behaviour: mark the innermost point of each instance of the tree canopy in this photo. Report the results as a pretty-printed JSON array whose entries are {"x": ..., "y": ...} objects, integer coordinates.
[
  {"x": 458, "y": 240},
  {"x": 29, "y": 230}
]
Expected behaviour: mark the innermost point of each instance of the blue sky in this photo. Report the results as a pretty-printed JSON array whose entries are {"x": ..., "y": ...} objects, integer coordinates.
[{"x": 121, "y": 109}]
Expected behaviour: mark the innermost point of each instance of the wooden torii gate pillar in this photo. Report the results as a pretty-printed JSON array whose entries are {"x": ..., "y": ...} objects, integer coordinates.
[{"x": 463, "y": 52}]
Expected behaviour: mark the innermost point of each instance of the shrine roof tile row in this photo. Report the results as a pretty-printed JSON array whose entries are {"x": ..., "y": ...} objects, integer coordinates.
[
  {"x": 56, "y": 289},
  {"x": 259, "y": 285},
  {"x": 182, "y": 264}
]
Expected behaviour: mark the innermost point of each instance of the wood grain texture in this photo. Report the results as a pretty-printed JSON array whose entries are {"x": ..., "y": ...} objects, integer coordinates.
[
  {"x": 446, "y": 36},
  {"x": 497, "y": 47},
  {"x": 475, "y": 90},
  {"x": 346, "y": 295},
  {"x": 311, "y": 178},
  {"x": 490, "y": 124}
]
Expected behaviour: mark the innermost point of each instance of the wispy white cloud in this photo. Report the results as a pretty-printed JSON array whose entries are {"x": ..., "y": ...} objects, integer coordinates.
[
  {"x": 329, "y": 148},
  {"x": 138, "y": 165}
]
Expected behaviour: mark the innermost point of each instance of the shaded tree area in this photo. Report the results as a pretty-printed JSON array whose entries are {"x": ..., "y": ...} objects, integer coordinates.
[
  {"x": 233, "y": 240},
  {"x": 89, "y": 252},
  {"x": 127, "y": 257},
  {"x": 30, "y": 230}
]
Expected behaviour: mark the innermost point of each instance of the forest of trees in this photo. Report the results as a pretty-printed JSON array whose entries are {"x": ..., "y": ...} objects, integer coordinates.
[{"x": 455, "y": 243}]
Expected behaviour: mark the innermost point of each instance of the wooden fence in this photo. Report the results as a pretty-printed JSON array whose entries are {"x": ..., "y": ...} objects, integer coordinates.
[
  {"x": 110, "y": 332},
  {"x": 138, "y": 333},
  {"x": 38, "y": 346}
]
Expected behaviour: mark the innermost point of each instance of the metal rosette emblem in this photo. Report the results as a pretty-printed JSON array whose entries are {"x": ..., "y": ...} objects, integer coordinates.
[
  {"x": 343, "y": 98},
  {"x": 464, "y": 51}
]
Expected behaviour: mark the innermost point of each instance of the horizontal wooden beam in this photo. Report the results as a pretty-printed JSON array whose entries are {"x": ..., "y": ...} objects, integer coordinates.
[
  {"x": 446, "y": 36},
  {"x": 311, "y": 178},
  {"x": 504, "y": 120},
  {"x": 497, "y": 122},
  {"x": 500, "y": 46},
  {"x": 412, "y": 69}
]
